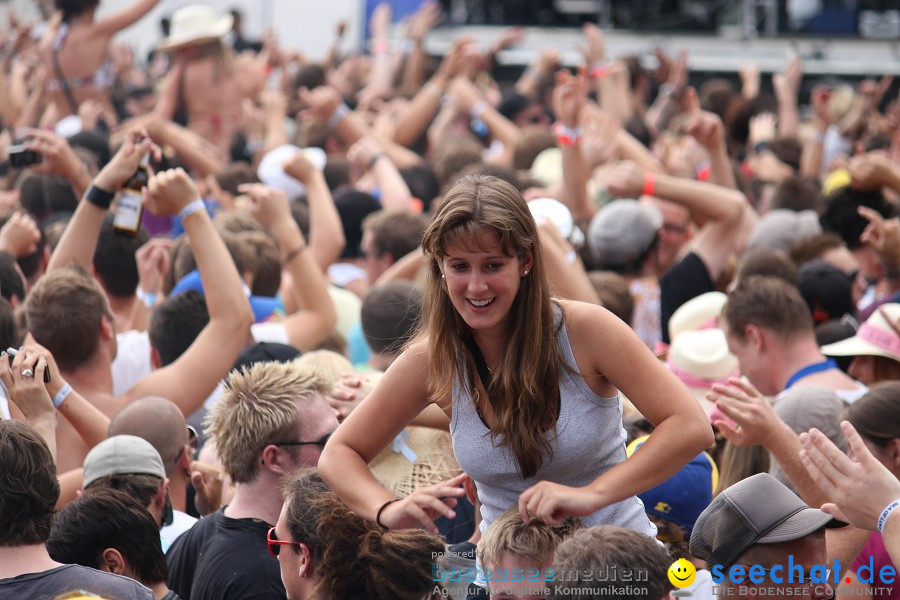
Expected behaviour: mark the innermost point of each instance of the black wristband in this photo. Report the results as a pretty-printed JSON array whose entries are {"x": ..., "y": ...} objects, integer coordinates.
[
  {"x": 375, "y": 159},
  {"x": 99, "y": 197},
  {"x": 381, "y": 509}
]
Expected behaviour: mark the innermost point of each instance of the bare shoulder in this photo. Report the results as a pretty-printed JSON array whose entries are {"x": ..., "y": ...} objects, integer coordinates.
[
  {"x": 590, "y": 327},
  {"x": 584, "y": 318}
]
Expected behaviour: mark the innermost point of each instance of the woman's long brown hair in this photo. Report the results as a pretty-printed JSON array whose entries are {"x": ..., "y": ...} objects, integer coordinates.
[{"x": 524, "y": 391}]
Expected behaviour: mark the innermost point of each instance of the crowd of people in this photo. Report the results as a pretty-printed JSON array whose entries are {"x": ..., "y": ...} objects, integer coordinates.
[{"x": 392, "y": 327}]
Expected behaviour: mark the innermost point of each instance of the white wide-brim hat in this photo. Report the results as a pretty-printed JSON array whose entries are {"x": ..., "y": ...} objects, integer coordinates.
[
  {"x": 700, "y": 312},
  {"x": 875, "y": 337},
  {"x": 700, "y": 359},
  {"x": 196, "y": 23}
]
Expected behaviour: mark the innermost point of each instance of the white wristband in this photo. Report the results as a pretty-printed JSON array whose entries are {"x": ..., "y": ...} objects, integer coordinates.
[
  {"x": 148, "y": 298},
  {"x": 191, "y": 208},
  {"x": 478, "y": 109},
  {"x": 338, "y": 115},
  {"x": 61, "y": 395},
  {"x": 882, "y": 520}
]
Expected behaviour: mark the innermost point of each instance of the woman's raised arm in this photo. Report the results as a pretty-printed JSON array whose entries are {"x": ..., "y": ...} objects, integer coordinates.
[{"x": 400, "y": 395}]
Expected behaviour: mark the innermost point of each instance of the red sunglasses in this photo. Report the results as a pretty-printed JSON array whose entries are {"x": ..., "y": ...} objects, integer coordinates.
[{"x": 275, "y": 544}]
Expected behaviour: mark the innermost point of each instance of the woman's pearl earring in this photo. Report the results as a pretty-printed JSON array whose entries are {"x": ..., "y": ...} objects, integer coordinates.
[
  {"x": 525, "y": 273},
  {"x": 442, "y": 276}
]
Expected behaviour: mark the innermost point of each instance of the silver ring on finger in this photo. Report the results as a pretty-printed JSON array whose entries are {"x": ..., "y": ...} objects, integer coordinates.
[{"x": 27, "y": 373}]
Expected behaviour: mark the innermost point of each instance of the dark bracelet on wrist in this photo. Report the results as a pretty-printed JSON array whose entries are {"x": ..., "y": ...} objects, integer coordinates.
[
  {"x": 380, "y": 510},
  {"x": 99, "y": 197}
]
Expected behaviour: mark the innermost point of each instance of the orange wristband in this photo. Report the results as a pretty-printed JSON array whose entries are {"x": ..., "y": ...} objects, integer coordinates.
[
  {"x": 600, "y": 71},
  {"x": 649, "y": 184}
]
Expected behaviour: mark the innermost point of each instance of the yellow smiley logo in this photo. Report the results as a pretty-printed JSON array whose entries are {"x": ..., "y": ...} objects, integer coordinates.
[{"x": 682, "y": 573}]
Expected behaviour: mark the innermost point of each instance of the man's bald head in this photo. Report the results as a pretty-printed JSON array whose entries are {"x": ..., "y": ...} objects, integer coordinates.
[{"x": 157, "y": 420}]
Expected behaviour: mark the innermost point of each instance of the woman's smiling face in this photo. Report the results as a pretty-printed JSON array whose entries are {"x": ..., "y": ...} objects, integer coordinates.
[{"x": 482, "y": 280}]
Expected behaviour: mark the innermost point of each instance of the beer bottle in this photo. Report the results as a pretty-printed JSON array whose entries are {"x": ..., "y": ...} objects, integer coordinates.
[{"x": 129, "y": 208}]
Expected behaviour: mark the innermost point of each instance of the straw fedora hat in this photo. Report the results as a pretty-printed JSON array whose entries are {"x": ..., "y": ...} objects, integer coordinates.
[
  {"x": 878, "y": 336},
  {"x": 700, "y": 359},
  {"x": 194, "y": 24},
  {"x": 418, "y": 457}
]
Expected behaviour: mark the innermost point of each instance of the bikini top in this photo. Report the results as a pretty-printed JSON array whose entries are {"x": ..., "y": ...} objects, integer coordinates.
[{"x": 104, "y": 77}]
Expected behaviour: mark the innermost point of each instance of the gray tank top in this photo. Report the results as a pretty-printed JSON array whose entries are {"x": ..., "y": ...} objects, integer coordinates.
[{"x": 589, "y": 439}]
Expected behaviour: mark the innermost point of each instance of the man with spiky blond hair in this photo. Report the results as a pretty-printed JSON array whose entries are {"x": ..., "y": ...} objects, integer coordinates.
[{"x": 272, "y": 419}]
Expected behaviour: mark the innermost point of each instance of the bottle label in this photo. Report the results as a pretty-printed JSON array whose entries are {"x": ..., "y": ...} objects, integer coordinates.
[{"x": 128, "y": 211}]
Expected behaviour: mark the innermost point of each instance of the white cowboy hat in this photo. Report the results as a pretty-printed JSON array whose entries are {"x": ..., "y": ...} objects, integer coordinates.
[{"x": 196, "y": 23}]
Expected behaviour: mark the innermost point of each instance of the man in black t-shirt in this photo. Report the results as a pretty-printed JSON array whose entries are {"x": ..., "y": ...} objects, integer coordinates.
[
  {"x": 29, "y": 491},
  {"x": 272, "y": 418}
]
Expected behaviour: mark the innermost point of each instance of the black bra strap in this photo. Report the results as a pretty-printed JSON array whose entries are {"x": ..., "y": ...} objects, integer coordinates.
[
  {"x": 63, "y": 82},
  {"x": 480, "y": 364}
]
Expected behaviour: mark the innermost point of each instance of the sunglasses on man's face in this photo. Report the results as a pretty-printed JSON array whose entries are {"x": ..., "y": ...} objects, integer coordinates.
[
  {"x": 193, "y": 443},
  {"x": 320, "y": 442},
  {"x": 275, "y": 544}
]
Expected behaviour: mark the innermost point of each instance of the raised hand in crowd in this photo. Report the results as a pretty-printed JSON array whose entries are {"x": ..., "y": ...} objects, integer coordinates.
[
  {"x": 750, "y": 79},
  {"x": 37, "y": 397},
  {"x": 666, "y": 103},
  {"x": 90, "y": 113},
  {"x": 593, "y": 46},
  {"x": 309, "y": 326},
  {"x": 123, "y": 164},
  {"x": 23, "y": 378},
  {"x": 19, "y": 235},
  {"x": 569, "y": 97},
  {"x": 322, "y": 102},
  {"x": 79, "y": 240},
  {"x": 626, "y": 180},
  {"x": 707, "y": 128},
  {"x": 58, "y": 159},
  {"x": 600, "y": 133},
  {"x": 763, "y": 128},
  {"x": 270, "y": 206},
  {"x": 703, "y": 126},
  {"x": 368, "y": 157},
  {"x": 424, "y": 20},
  {"x": 882, "y": 234},
  {"x": 874, "y": 170},
  {"x": 858, "y": 485},
  {"x": 787, "y": 88},
  {"x": 168, "y": 192},
  {"x": 750, "y": 418}
]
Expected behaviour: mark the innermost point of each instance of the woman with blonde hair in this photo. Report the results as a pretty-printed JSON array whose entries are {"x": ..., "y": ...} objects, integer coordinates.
[
  {"x": 207, "y": 83},
  {"x": 528, "y": 385}
]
